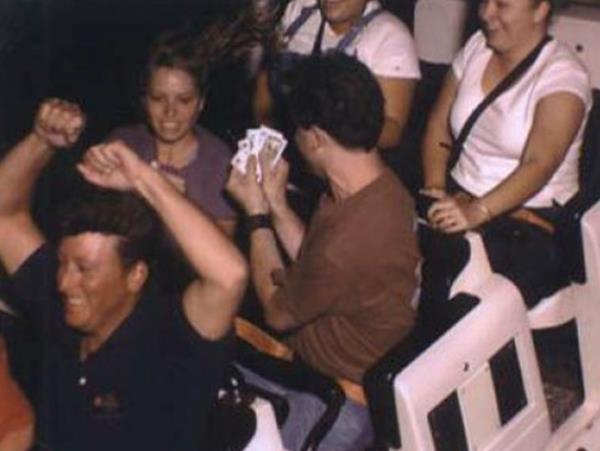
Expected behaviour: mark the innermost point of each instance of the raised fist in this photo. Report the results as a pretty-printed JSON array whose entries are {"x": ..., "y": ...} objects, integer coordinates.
[
  {"x": 111, "y": 165},
  {"x": 59, "y": 123}
]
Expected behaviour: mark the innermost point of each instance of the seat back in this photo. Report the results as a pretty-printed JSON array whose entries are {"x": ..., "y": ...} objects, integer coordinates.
[
  {"x": 439, "y": 29},
  {"x": 267, "y": 435},
  {"x": 447, "y": 397},
  {"x": 587, "y": 308},
  {"x": 298, "y": 376},
  {"x": 581, "y": 301},
  {"x": 477, "y": 386},
  {"x": 243, "y": 419},
  {"x": 432, "y": 19},
  {"x": 378, "y": 380},
  {"x": 579, "y": 27}
]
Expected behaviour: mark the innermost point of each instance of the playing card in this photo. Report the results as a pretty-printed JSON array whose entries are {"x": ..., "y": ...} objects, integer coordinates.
[
  {"x": 256, "y": 137},
  {"x": 274, "y": 144},
  {"x": 244, "y": 145},
  {"x": 271, "y": 131},
  {"x": 240, "y": 159},
  {"x": 257, "y": 141}
]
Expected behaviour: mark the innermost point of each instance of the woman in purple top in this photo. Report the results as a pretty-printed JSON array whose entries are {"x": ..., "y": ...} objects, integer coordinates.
[{"x": 196, "y": 161}]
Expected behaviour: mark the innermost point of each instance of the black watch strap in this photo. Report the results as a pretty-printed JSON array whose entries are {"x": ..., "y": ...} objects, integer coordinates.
[{"x": 259, "y": 221}]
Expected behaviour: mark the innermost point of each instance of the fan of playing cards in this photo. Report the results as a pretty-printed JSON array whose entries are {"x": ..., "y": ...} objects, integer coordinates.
[{"x": 258, "y": 140}]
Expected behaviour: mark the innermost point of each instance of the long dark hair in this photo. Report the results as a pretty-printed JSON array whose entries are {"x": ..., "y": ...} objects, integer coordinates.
[{"x": 226, "y": 38}]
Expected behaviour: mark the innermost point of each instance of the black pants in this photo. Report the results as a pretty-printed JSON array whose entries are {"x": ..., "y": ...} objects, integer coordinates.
[{"x": 523, "y": 252}]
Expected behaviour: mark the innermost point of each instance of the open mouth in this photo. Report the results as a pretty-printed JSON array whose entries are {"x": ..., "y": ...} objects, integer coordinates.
[{"x": 73, "y": 302}]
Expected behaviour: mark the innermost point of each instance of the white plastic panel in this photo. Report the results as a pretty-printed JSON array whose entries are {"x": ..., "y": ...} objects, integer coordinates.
[
  {"x": 579, "y": 27},
  {"x": 267, "y": 437},
  {"x": 439, "y": 26},
  {"x": 453, "y": 361},
  {"x": 481, "y": 419}
]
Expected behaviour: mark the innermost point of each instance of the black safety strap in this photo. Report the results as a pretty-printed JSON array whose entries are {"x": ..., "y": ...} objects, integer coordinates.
[
  {"x": 307, "y": 12},
  {"x": 503, "y": 86},
  {"x": 316, "y": 50},
  {"x": 349, "y": 37},
  {"x": 356, "y": 29}
]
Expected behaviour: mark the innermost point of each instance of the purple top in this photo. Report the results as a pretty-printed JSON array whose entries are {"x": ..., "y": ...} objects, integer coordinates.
[{"x": 203, "y": 178}]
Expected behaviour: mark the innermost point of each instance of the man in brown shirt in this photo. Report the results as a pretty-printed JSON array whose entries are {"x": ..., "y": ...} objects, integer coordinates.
[{"x": 347, "y": 295}]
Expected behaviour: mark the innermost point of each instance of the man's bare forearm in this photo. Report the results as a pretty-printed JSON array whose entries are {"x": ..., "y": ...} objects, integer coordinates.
[
  {"x": 264, "y": 260},
  {"x": 19, "y": 170},
  {"x": 290, "y": 229},
  {"x": 209, "y": 251},
  {"x": 211, "y": 301}
]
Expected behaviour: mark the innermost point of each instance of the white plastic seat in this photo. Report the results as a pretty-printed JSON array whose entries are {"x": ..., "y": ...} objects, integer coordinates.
[
  {"x": 458, "y": 363},
  {"x": 267, "y": 437},
  {"x": 476, "y": 271},
  {"x": 580, "y": 302}
]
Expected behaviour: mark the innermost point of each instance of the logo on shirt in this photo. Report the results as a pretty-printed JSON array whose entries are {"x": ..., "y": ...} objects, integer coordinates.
[{"x": 107, "y": 405}]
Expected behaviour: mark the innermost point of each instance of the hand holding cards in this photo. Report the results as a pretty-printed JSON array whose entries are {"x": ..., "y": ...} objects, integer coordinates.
[{"x": 256, "y": 142}]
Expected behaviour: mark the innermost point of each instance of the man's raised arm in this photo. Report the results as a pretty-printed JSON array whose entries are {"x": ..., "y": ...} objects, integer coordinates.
[
  {"x": 57, "y": 124},
  {"x": 211, "y": 301}
]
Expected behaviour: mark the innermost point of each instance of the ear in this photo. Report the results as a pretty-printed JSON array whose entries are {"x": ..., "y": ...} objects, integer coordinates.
[
  {"x": 309, "y": 138},
  {"x": 137, "y": 276},
  {"x": 542, "y": 12},
  {"x": 321, "y": 138}
]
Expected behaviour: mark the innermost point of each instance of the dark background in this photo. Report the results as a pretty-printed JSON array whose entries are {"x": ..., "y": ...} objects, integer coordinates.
[
  {"x": 88, "y": 51},
  {"x": 91, "y": 52}
]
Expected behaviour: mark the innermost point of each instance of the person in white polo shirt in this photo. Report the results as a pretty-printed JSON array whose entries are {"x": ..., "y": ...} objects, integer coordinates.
[{"x": 359, "y": 28}]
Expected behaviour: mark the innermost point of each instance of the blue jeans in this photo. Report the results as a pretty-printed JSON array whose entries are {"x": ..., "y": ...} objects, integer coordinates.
[{"x": 352, "y": 430}]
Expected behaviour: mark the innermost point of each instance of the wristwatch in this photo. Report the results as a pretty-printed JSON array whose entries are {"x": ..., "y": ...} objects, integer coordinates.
[{"x": 259, "y": 221}]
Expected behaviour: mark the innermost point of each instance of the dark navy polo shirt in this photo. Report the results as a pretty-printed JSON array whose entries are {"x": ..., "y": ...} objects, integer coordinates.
[{"x": 149, "y": 387}]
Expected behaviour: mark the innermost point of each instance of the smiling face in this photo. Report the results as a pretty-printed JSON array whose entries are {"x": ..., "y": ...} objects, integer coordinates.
[
  {"x": 97, "y": 291},
  {"x": 342, "y": 14},
  {"x": 172, "y": 104},
  {"x": 513, "y": 24}
]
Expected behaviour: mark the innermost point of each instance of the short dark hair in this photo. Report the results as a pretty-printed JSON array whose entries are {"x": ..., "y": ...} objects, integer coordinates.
[
  {"x": 178, "y": 50},
  {"x": 338, "y": 94},
  {"x": 110, "y": 212}
]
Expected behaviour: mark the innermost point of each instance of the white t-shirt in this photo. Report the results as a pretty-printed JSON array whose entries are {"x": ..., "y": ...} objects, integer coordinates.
[
  {"x": 497, "y": 140},
  {"x": 385, "y": 45}
]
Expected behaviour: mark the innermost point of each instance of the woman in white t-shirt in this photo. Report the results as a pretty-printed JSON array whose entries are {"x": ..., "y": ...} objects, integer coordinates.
[
  {"x": 523, "y": 149},
  {"x": 521, "y": 157}
]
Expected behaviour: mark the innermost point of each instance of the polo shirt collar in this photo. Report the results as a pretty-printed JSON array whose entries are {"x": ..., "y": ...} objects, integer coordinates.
[{"x": 145, "y": 316}]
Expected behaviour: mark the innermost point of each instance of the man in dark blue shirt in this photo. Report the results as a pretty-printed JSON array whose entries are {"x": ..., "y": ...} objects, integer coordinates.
[{"x": 121, "y": 367}]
